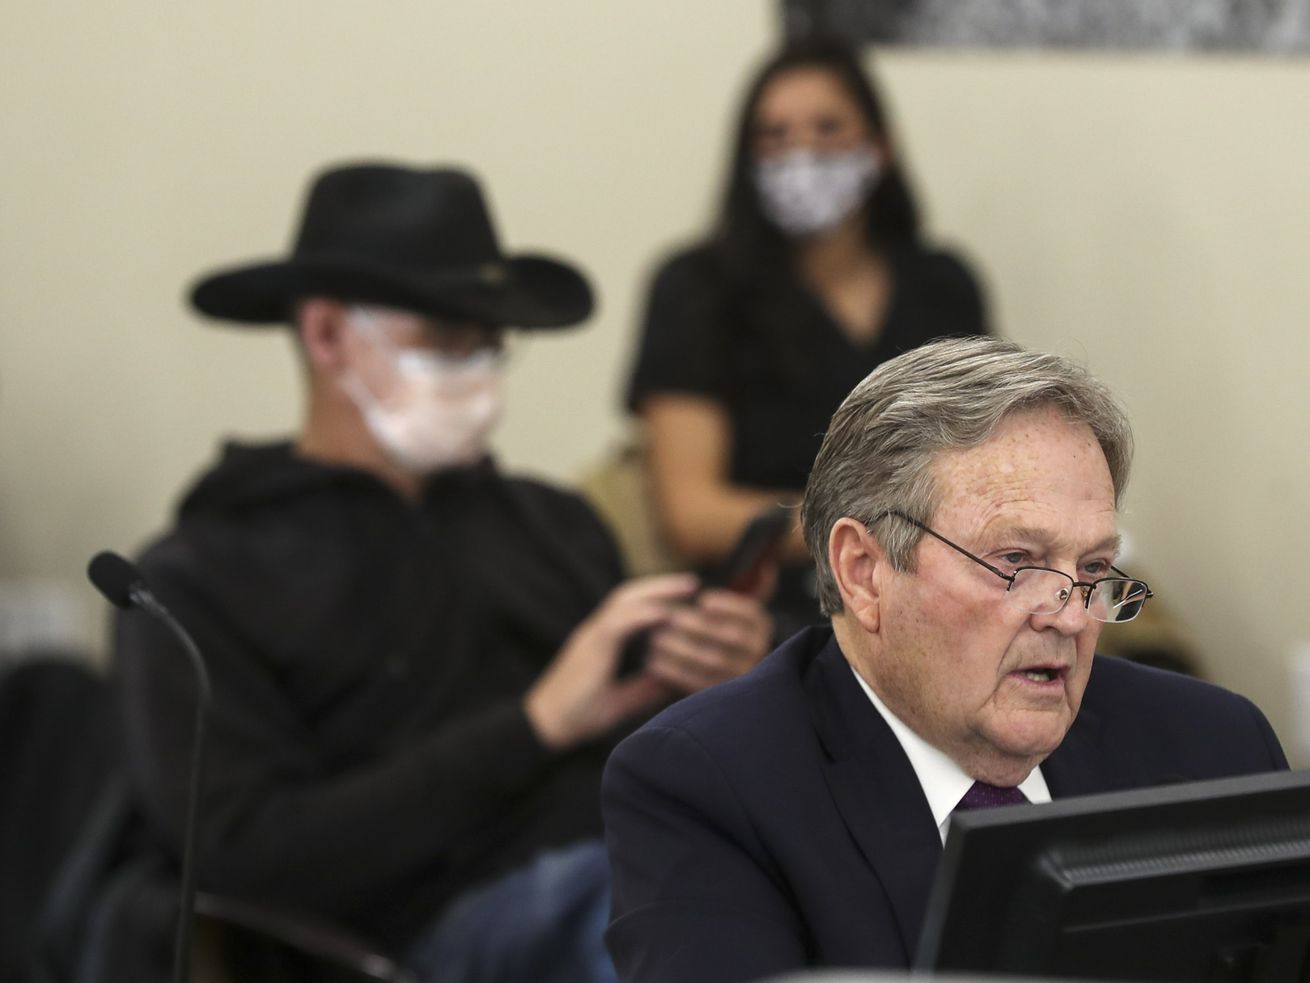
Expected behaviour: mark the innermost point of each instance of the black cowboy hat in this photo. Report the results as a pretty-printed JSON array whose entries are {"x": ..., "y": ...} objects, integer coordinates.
[{"x": 418, "y": 240}]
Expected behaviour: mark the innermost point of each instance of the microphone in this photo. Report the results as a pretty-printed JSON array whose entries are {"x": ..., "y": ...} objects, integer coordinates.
[
  {"x": 116, "y": 578},
  {"x": 124, "y": 587}
]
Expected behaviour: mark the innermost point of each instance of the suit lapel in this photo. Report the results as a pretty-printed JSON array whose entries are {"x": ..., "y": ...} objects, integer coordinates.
[
  {"x": 875, "y": 790},
  {"x": 879, "y": 797}
]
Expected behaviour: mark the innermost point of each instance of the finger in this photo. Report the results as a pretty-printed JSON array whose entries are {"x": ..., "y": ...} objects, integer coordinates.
[
  {"x": 707, "y": 664},
  {"x": 713, "y": 630},
  {"x": 728, "y": 604},
  {"x": 683, "y": 676},
  {"x": 749, "y": 614},
  {"x": 640, "y": 604},
  {"x": 665, "y": 587},
  {"x": 616, "y": 625}
]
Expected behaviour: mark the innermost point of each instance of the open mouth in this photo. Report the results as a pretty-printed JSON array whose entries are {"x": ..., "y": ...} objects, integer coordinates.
[{"x": 1041, "y": 674}]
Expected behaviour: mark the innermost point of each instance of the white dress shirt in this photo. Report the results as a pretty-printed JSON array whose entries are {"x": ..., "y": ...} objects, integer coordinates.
[{"x": 944, "y": 782}]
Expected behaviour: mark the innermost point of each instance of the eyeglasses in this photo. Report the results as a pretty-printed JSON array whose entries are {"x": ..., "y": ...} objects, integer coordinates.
[{"x": 1041, "y": 590}]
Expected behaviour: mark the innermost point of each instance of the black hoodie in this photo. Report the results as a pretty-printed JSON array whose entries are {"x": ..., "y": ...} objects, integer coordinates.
[{"x": 369, "y": 756}]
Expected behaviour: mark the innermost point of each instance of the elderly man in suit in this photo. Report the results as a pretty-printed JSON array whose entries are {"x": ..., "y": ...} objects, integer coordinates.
[{"x": 962, "y": 515}]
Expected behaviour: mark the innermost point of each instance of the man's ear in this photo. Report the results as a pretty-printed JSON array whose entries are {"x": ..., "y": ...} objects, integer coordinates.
[
  {"x": 321, "y": 327},
  {"x": 856, "y": 557}
]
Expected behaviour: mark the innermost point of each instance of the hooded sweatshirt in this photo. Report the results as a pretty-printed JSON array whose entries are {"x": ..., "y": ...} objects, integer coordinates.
[{"x": 368, "y": 754}]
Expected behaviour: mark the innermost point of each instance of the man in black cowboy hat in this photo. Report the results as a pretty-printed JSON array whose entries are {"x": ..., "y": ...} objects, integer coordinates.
[{"x": 413, "y": 656}]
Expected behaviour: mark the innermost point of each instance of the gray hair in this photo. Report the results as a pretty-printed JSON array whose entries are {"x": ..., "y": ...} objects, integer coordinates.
[{"x": 952, "y": 393}]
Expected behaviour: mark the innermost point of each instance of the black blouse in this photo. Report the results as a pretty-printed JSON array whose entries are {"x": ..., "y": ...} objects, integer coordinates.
[{"x": 777, "y": 361}]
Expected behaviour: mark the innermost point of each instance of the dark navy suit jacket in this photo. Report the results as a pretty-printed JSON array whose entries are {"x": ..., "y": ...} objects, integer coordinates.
[{"x": 774, "y": 822}]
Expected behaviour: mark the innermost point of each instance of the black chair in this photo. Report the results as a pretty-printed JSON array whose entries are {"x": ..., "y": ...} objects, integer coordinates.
[
  {"x": 53, "y": 758},
  {"x": 258, "y": 942},
  {"x": 81, "y": 904}
]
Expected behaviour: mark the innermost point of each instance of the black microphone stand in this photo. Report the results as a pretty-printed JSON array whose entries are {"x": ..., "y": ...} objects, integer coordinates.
[{"x": 142, "y": 598}]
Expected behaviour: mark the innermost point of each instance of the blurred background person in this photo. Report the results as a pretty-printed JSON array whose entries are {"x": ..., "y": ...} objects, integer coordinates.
[
  {"x": 413, "y": 653},
  {"x": 814, "y": 273}
]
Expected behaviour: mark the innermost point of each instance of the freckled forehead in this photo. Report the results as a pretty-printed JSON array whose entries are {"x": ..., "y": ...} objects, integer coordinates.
[{"x": 1038, "y": 464}]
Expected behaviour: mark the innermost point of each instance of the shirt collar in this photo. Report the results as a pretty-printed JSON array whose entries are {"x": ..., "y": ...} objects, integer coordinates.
[{"x": 943, "y": 781}]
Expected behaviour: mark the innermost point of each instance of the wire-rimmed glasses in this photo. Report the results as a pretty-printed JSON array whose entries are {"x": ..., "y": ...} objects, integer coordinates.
[{"x": 1041, "y": 590}]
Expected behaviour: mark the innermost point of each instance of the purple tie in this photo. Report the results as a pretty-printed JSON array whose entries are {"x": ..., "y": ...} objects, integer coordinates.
[{"x": 984, "y": 796}]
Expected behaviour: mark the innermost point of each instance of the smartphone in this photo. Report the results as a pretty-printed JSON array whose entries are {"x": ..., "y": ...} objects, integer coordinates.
[{"x": 756, "y": 548}]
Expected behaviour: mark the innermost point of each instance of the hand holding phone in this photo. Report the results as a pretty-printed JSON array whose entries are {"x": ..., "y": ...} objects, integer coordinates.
[{"x": 742, "y": 572}]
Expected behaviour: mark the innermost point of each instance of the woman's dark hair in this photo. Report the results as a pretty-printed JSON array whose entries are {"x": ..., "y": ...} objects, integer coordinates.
[{"x": 747, "y": 243}]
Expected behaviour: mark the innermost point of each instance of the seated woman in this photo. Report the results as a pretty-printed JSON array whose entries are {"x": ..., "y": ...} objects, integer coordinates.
[{"x": 814, "y": 274}]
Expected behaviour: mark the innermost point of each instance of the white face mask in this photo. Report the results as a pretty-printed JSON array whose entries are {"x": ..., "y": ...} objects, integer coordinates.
[
  {"x": 804, "y": 192},
  {"x": 438, "y": 410}
]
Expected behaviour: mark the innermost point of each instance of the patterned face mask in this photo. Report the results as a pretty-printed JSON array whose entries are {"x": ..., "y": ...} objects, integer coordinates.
[
  {"x": 438, "y": 410},
  {"x": 805, "y": 192}
]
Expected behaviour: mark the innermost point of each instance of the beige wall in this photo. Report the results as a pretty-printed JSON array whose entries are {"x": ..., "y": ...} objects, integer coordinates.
[{"x": 1148, "y": 215}]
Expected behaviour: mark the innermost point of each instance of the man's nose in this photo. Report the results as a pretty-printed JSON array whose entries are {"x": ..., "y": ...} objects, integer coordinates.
[{"x": 1070, "y": 619}]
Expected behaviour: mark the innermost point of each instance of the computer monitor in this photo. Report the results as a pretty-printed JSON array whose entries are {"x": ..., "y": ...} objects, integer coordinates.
[{"x": 1197, "y": 881}]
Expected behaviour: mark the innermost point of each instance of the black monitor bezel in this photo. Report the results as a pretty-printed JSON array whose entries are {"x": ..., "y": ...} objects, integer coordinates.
[{"x": 965, "y": 931}]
